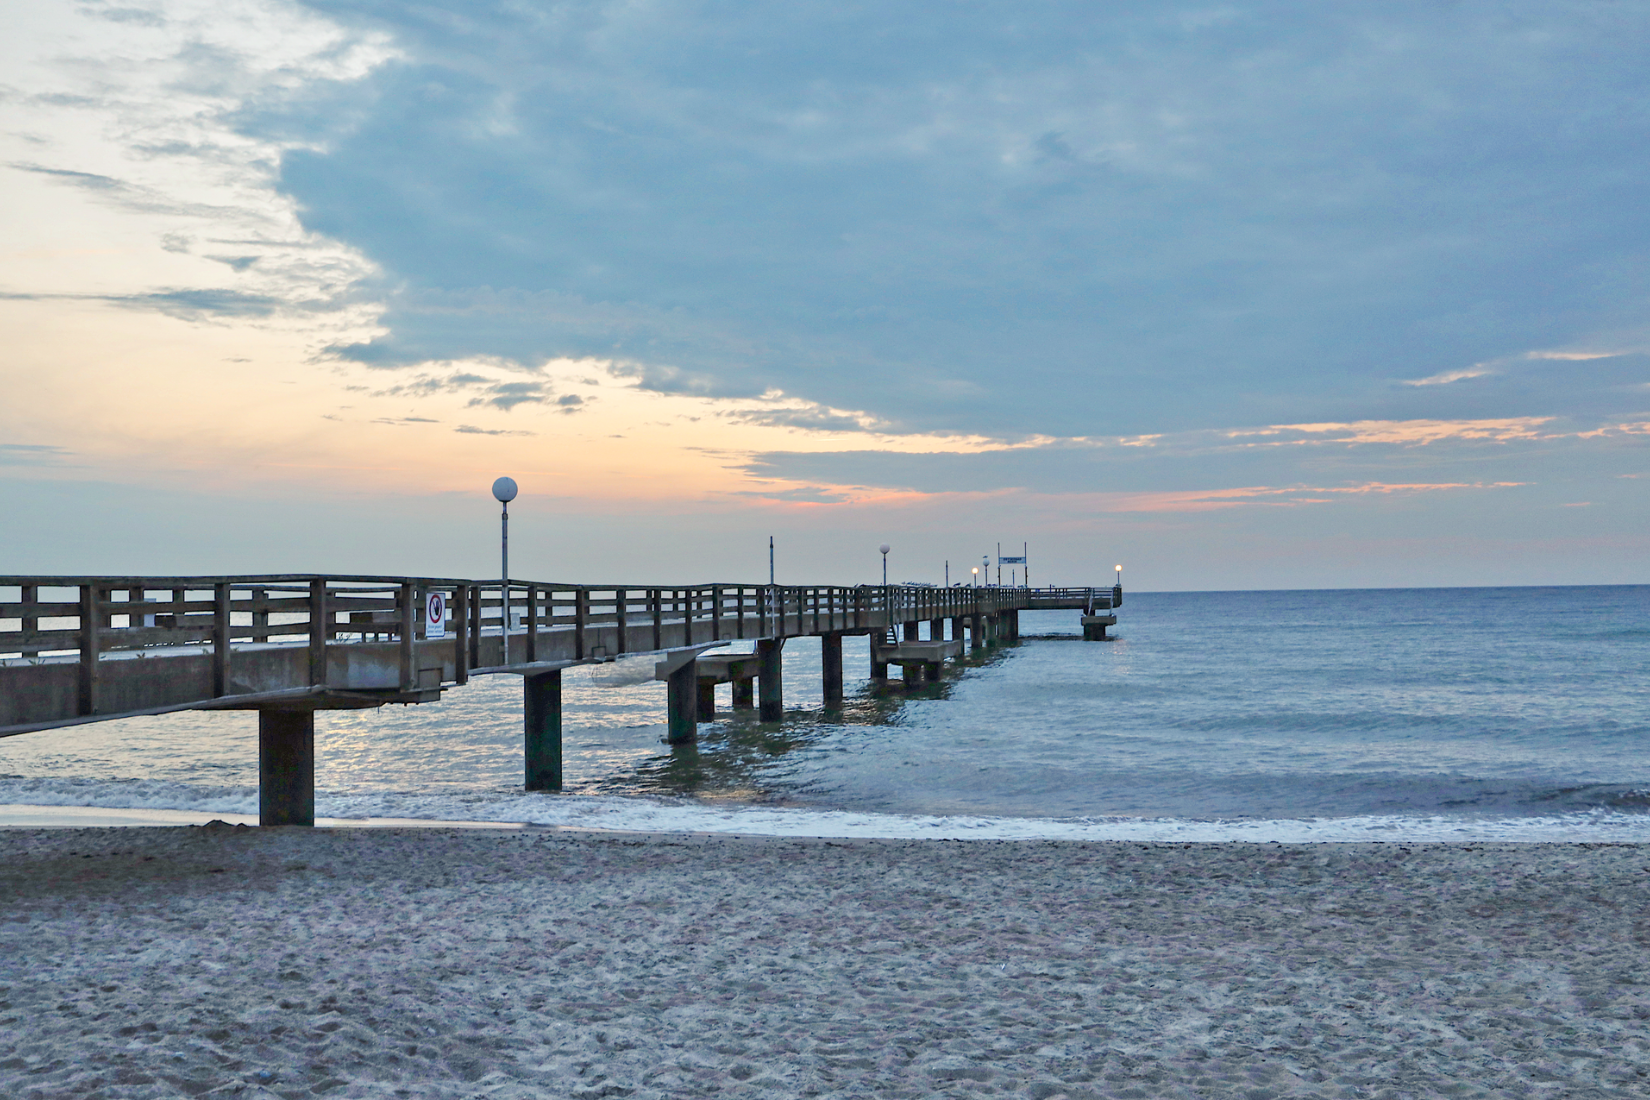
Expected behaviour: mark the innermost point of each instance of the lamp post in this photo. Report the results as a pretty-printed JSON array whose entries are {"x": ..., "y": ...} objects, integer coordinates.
[
  {"x": 885, "y": 548},
  {"x": 504, "y": 491},
  {"x": 976, "y": 576}
]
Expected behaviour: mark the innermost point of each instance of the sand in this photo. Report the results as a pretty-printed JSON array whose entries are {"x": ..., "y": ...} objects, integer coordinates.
[{"x": 445, "y": 963}]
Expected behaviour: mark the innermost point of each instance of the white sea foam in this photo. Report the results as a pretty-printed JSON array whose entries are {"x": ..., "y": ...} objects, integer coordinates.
[{"x": 662, "y": 815}]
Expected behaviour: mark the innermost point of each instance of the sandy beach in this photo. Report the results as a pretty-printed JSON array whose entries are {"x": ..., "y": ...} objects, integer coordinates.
[{"x": 226, "y": 961}]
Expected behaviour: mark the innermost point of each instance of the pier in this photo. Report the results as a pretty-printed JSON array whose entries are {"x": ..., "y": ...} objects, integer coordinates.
[{"x": 88, "y": 649}]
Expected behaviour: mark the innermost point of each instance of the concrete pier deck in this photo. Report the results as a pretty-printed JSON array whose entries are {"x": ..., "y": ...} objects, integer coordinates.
[{"x": 88, "y": 649}]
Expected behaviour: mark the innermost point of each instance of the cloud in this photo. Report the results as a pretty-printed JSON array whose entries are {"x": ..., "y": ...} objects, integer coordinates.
[
  {"x": 799, "y": 495},
  {"x": 507, "y": 395},
  {"x": 132, "y": 196},
  {"x": 31, "y": 454},
  {"x": 807, "y": 416},
  {"x": 1409, "y": 433},
  {"x": 1406, "y": 454},
  {"x": 1132, "y": 218},
  {"x": 1193, "y": 500},
  {"x": 1449, "y": 376},
  {"x": 470, "y": 429}
]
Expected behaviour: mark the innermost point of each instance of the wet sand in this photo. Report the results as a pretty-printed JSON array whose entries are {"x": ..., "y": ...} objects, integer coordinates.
[{"x": 445, "y": 963}]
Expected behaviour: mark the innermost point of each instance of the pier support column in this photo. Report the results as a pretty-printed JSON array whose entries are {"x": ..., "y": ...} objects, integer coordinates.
[
  {"x": 912, "y": 631},
  {"x": 1094, "y": 627},
  {"x": 541, "y": 729},
  {"x": 772, "y": 675},
  {"x": 958, "y": 628},
  {"x": 744, "y": 694},
  {"x": 936, "y": 630},
  {"x": 879, "y": 669},
  {"x": 682, "y": 705},
  {"x": 830, "y": 663},
  {"x": 707, "y": 702},
  {"x": 286, "y": 766},
  {"x": 976, "y": 638},
  {"x": 911, "y": 673}
]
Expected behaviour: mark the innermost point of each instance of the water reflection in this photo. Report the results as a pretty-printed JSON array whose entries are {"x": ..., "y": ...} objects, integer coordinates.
[{"x": 741, "y": 758}]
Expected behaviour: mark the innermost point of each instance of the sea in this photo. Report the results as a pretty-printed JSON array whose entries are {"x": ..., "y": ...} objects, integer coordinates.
[{"x": 1406, "y": 715}]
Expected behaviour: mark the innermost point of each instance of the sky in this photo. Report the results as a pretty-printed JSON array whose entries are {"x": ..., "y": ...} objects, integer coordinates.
[{"x": 1265, "y": 295}]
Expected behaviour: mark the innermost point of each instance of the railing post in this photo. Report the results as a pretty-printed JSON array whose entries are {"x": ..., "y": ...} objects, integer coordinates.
[
  {"x": 716, "y": 613},
  {"x": 461, "y": 634},
  {"x": 532, "y": 622},
  {"x": 621, "y": 612},
  {"x": 407, "y": 604},
  {"x": 581, "y": 614},
  {"x": 91, "y": 624},
  {"x": 27, "y": 595},
  {"x": 656, "y": 603},
  {"x": 260, "y": 615},
  {"x": 317, "y": 632},
  {"x": 221, "y": 606},
  {"x": 475, "y": 626}
]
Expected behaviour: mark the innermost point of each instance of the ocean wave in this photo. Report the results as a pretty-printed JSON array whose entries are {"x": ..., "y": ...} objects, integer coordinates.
[{"x": 685, "y": 815}]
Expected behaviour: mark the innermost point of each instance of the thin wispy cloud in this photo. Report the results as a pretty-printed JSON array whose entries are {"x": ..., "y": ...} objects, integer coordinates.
[
  {"x": 31, "y": 454},
  {"x": 1447, "y": 377}
]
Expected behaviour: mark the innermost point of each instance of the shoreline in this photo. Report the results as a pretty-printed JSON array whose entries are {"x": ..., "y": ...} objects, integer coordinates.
[
  {"x": 443, "y": 962},
  {"x": 686, "y": 816}
]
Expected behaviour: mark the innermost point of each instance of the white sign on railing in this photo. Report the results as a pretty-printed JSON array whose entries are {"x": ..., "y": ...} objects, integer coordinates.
[{"x": 435, "y": 615}]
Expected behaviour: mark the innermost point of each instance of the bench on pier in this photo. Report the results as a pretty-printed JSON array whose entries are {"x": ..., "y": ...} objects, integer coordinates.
[{"x": 374, "y": 623}]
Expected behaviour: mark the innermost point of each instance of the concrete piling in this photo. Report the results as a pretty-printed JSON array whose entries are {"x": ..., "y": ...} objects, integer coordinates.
[
  {"x": 286, "y": 766},
  {"x": 682, "y": 704},
  {"x": 771, "y": 676},
  {"x": 541, "y": 725},
  {"x": 830, "y": 663}
]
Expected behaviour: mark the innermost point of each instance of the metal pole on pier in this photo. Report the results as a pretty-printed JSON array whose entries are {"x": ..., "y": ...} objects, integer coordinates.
[
  {"x": 885, "y": 548},
  {"x": 504, "y": 491}
]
